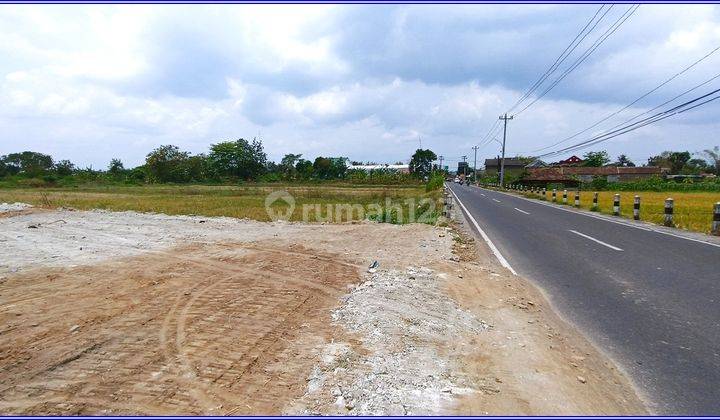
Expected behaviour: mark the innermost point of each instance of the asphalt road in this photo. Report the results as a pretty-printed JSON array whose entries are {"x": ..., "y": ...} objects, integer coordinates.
[{"x": 650, "y": 300}]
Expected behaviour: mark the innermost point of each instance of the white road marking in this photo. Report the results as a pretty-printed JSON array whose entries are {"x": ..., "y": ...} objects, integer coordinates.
[
  {"x": 486, "y": 238},
  {"x": 617, "y": 222},
  {"x": 596, "y": 240},
  {"x": 482, "y": 194},
  {"x": 521, "y": 211},
  {"x": 497, "y": 201}
]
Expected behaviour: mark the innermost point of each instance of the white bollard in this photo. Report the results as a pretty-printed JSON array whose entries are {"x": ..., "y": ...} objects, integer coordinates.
[{"x": 616, "y": 205}]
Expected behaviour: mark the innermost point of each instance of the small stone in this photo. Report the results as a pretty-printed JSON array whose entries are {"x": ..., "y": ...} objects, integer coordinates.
[
  {"x": 74, "y": 328},
  {"x": 581, "y": 379}
]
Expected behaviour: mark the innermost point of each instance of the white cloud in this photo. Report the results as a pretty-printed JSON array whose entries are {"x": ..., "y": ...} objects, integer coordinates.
[{"x": 94, "y": 82}]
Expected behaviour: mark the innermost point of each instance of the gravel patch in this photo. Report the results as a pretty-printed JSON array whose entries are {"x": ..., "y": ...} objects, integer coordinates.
[
  {"x": 7, "y": 207},
  {"x": 403, "y": 318}
]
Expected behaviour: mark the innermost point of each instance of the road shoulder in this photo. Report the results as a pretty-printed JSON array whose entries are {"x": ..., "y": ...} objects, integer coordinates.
[{"x": 536, "y": 362}]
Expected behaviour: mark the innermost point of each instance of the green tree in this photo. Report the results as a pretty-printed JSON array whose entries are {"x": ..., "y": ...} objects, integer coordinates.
[
  {"x": 29, "y": 163},
  {"x": 695, "y": 167},
  {"x": 64, "y": 168},
  {"x": 322, "y": 168},
  {"x": 116, "y": 167},
  {"x": 596, "y": 159},
  {"x": 675, "y": 161},
  {"x": 304, "y": 168},
  {"x": 288, "y": 165},
  {"x": 167, "y": 164},
  {"x": 623, "y": 160},
  {"x": 421, "y": 163},
  {"x": 198, "y": 168},
  {"x": 238, "y": 159},
  {"x": 329, "y": 168}
]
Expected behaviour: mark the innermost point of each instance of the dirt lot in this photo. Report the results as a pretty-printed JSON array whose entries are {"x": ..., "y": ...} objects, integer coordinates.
[{"x": 128, "y": 313}]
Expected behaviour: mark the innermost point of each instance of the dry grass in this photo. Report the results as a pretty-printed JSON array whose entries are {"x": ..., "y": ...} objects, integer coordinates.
[
  {"x": 692, "y": 210},
  {"x": 240, "y": 202}
]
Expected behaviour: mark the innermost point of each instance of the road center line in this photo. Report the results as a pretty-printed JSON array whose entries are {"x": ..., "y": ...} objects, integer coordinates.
[
  {"x": 495, "y": 200},
  {"x": 521, "y": 211},
  {"x": 596, "y": 240},
  {"x": 482, "y": 194}
]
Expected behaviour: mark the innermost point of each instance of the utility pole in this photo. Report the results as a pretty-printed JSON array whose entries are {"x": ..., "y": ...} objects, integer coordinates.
[
  {"x": 505, "y": 119},
  {"x": 464, "y": 167},
  {"x": 441, "y": 159},
  {"x": 475, "y": 149}
]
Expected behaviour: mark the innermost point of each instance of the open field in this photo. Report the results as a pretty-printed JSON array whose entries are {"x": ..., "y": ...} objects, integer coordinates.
[
  {"x": 131, "y": 313},
  {"x": 311, "y": 202},
  {"x": 693, "y": 210}
]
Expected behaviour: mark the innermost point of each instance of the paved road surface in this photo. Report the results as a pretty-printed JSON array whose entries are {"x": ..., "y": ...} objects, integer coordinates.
[{"x": 650, "y": 300}]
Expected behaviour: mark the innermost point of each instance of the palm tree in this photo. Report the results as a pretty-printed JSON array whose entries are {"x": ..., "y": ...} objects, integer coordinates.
[{"x": 714, "y": 155}]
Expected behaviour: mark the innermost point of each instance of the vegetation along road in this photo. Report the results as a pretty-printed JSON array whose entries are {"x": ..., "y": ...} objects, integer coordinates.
[{"x": 649, "y": 299}]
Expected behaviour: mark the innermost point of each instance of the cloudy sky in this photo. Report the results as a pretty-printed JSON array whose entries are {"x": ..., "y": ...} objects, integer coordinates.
[{"x": 89, "y": 83}]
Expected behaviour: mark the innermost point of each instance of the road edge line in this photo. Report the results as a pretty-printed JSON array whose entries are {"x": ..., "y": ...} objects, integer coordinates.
[{"x": 485, "y": 237}]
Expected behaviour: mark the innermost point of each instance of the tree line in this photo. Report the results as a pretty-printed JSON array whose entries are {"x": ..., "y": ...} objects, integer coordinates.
[
  {"x": 678, "y": 163},
  {"x": 228, "y": 161}
]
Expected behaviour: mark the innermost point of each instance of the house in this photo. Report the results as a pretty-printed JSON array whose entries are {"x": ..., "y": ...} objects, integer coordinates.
[
  {"x": 463, "y": 168},
  {"x": 574, "y": 175},
  {"x": 405, "y": 169},
  {"x": 537, "y": 163},
  {"x": 512, "y": 165},
  {"x": 571, "y": 161}
]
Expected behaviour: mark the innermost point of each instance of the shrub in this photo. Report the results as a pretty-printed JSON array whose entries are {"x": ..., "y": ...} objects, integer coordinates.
[{"x": 437, "y": 180}]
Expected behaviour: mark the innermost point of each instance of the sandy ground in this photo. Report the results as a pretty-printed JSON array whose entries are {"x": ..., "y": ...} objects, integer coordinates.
[{"x": 127, "y": 313}]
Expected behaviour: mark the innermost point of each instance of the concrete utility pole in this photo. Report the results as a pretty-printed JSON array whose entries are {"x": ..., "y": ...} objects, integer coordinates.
[
  {"x": 441, "y": 159},
  {"x": 475, "y": 149},
  {"x": 505, "y": 118}
]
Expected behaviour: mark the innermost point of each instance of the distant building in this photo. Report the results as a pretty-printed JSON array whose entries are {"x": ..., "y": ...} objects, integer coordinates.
[
  {"x": 571, "y": 161},
  {"x": 537, "y": 163},
  {"x": 574, "y": 175},
  {"x": 381, "y": 167},
  {"x": 463, "y": 168},
  {"x": 512, "y": 166}
]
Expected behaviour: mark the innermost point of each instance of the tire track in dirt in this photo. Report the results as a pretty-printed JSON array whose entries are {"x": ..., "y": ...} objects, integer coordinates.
[{"x": 226, "y": 319}]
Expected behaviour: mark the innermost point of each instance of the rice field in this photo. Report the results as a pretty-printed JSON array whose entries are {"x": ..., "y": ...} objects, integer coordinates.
[
  {"x": 692, "y": 210},
  {"x": 396, "y": 204}
]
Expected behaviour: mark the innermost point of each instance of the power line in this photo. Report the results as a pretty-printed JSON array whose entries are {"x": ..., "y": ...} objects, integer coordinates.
[
  {"x": 679, "y": 109},
  {"x": 598, "y": 42},
  {"x": 686, "y": 69},
  {"x": 563, "y": 56}
]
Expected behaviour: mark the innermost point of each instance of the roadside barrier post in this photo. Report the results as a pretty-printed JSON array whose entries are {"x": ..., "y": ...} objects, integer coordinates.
[
  {"x": 636, "y": 208},
  {"x": 577, "y": 198},
  {"x": 544, "y": 194},
  {"x": 554, "y": 195},
  {"x": 564, "y": 196},
  {"x": 616, "y": 205},
  {"x": 716, "y": 219},
  {"x": 669, "y": 203},
  {"x": 595, "y": 201}
]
